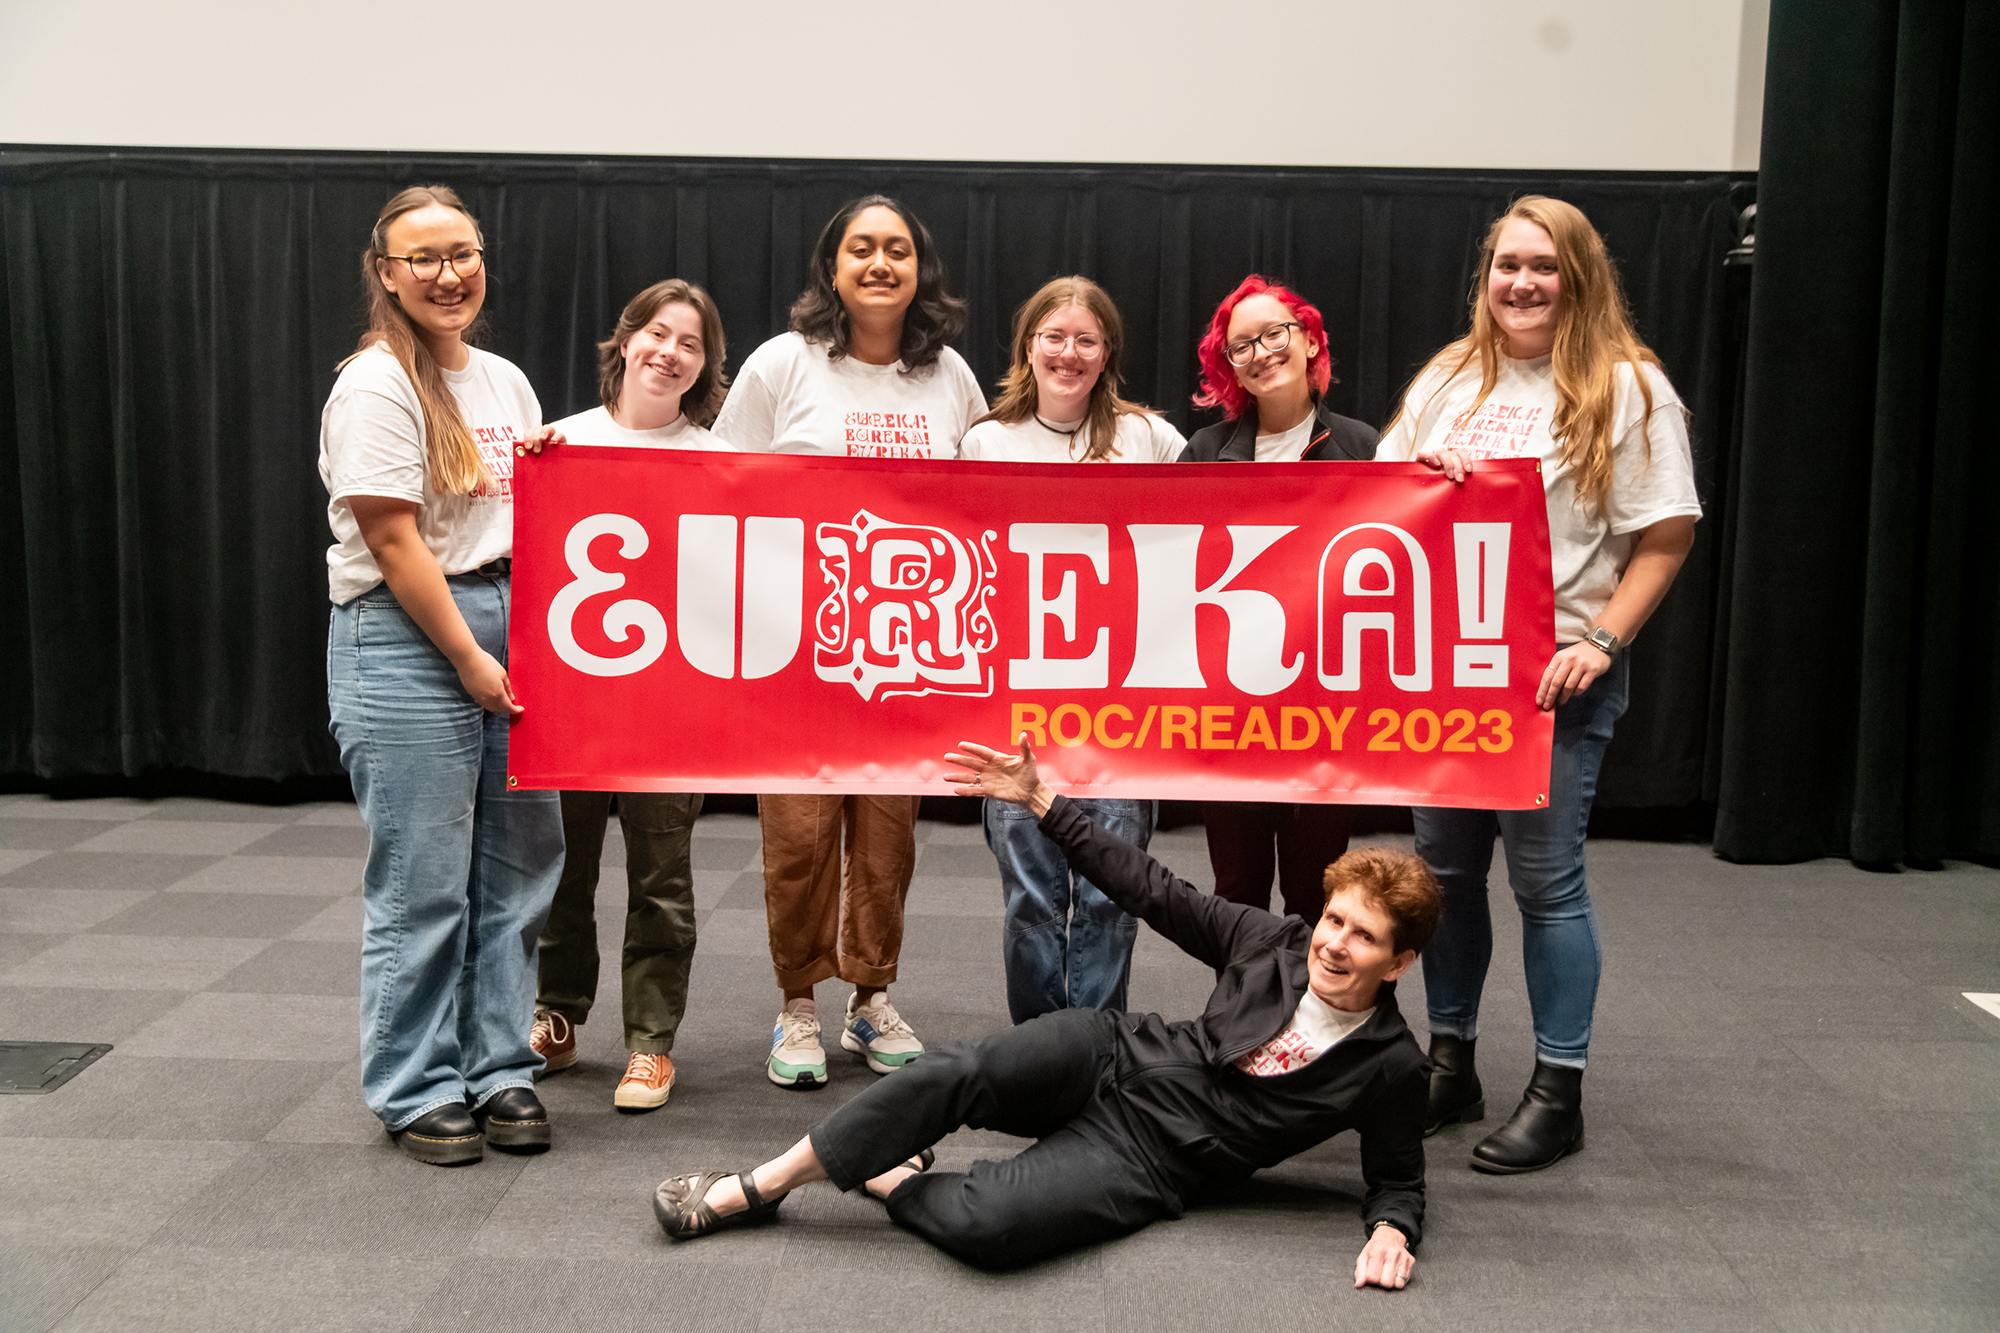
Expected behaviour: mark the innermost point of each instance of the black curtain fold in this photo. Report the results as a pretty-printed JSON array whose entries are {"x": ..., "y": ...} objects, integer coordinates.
[
  {"x": 173, "y": 321},
  {"x": 1861, "y": 670}
]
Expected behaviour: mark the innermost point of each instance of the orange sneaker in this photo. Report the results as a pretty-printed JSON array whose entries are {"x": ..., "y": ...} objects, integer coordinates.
[
  {"x": 648, "y": 1079},
  {"x": 554, "y": 1039}
]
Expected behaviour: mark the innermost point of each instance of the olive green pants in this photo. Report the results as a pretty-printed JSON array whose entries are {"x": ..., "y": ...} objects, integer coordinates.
[{"x": 659, "y": 914}]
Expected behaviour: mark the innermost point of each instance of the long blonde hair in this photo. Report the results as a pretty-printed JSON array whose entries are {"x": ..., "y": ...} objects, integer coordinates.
[
  {"x": 450, "y": 455},
  {"x": 1019, "y": 398},
  {"x": 1594, "y": 336}
]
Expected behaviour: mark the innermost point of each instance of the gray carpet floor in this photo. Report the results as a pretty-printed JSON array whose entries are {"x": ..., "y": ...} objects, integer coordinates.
[{"x": 1794, "y": 1116}]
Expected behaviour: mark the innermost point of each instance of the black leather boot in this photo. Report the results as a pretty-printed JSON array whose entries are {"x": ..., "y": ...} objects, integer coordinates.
[
  {"x": 515, "y": 1121},
  {"x": 446, "y": 1136},
  {"x": 1455, "y": 1092},
  {"x": 1545, "y": 1128}
]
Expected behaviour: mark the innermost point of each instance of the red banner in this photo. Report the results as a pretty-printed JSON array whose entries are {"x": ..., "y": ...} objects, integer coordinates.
[{"x": 1301, "y": 632}]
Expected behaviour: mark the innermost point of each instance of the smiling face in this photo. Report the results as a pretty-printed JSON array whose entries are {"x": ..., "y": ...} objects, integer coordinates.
[
  {"x": 1353, "y": 951},
  {"x": 443, "y": 308},
  {"x": 1279, "y": 377},
  {"x": 1523, "y": 289},
  {"x": 663, "y": 358},
  {"x": 875, "y": 268},
  {"x": 1065, "y": 377}
]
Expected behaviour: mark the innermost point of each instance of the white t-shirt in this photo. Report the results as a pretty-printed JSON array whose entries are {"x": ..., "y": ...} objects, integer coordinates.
[
  {"x": 597, "y": 428},
  {"x": 1588, "y": 549},
  {"x": 371, "y": 442},
  {"x": 1287, "y": 446},
  {"x": 789, "y": 398},
  {"x": 1142, "y": 438},
  {"x": 1315, "y": 1027}
]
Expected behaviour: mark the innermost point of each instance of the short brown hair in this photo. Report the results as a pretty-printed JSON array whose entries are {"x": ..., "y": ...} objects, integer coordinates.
[
  {"x": 703, "y": 398},
  {"x": 1401, "y": 883}
]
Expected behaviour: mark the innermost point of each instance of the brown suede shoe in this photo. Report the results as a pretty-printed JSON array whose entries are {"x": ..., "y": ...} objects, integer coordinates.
[
  {"x": 554, "y": 1039},
  {"x": 648, "y": 1079}
]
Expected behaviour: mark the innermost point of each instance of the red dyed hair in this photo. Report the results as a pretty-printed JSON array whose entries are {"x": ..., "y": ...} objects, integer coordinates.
[{"x": 1218, "y": 378}]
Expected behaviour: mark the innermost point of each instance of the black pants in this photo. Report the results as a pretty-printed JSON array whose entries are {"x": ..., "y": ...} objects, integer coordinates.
[
  {"x": 1247, "y": 840},
  {"x": 1083, "y": 1181}
]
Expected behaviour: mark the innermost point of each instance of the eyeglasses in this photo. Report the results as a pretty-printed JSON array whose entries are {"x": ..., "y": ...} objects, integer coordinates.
[
  {"x": 1274, "y": 339},
  {"x": 427, "y": 268},
  {"x": 1088, "y": 345}
]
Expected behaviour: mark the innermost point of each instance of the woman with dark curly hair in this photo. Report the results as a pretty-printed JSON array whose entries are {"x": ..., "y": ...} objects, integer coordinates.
[
  {"x": 863, "y": 372},
  {"x": 1264, "y": 362}
]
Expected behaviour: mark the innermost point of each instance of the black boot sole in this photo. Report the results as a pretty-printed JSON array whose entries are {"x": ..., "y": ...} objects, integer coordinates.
[
  {"x": 518, "y": 1136},
  {"x": 434, "y": 1151},
  {"x": 1469, "y": 1114},
  {"x": 1508, "y": 1169}
]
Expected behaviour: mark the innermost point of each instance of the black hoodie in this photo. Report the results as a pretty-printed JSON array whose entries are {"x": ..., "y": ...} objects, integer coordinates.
[
  {"x": 1205, "y": 1123},
  {"x": 1335, "y": 439}
]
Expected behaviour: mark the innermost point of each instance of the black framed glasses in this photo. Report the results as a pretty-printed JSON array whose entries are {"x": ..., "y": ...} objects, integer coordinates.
[
  {"x": 427, "y": 268},
  {"x": 1274, "y": 339}
]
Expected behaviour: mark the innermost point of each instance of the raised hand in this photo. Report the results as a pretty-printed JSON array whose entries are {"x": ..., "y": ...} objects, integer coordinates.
[{"x": 1004, "y": 777}]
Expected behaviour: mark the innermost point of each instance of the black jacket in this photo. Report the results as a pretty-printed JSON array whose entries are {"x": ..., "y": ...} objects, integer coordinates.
[
  {"x": 1335, "y": 438},
  {"x": 1206, "y": 1123}
]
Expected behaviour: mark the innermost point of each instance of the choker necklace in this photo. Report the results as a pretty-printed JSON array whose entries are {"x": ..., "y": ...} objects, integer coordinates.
[{"x": 1054, "y": 429}]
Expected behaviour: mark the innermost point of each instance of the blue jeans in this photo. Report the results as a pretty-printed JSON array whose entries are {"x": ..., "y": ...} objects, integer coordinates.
[
  {"x": 460, "y": 869},
  {"x": 1064, "y": 944},
  {"x": 1545, "y": 868}
]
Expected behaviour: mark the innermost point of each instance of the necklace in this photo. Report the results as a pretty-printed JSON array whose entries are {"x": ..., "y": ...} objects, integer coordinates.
[{"x": 1058, "y": 430}]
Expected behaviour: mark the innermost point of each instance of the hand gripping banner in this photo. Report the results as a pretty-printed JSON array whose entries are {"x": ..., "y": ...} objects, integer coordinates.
[{"x": 772, "y": 623}]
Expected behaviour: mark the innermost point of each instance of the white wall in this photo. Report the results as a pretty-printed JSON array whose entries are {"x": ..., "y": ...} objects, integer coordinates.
[{"x": 1568, "y": 84}]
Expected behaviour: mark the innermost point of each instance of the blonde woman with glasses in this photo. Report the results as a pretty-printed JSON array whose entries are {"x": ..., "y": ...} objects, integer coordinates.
[{"x": 1063, "y": 943}]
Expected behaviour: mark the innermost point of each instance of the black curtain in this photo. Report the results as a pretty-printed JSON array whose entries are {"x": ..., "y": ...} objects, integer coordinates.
[
  {"x": 173, "y": 319},
  {"x": 1862, "y": 707}
]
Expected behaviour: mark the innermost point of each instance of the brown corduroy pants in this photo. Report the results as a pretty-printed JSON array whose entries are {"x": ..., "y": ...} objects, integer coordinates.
[{"x": 834, "y": 911}]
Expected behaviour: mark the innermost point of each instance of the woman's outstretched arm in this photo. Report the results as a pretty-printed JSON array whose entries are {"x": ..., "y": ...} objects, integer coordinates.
[{"x": 1207, "y": 928}]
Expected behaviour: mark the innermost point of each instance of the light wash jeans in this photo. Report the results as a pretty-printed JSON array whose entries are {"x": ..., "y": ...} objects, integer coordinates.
[
  {"x": 1063, "y": 943},
  {"x": 1545, "y": 868},
  {"x": 460, "y": 870}
]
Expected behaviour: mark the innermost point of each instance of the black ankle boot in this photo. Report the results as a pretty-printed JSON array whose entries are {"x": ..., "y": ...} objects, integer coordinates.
[
  {"x": 1545, "y": 1128},
  {"x": 1455, "y": 1092},
  {"x": 515, "y": 1121},
  {"x": 445, "y": 1136}
]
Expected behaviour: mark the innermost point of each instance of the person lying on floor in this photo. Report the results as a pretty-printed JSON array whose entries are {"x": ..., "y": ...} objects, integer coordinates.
[{"x": 1135, "y": 1117}]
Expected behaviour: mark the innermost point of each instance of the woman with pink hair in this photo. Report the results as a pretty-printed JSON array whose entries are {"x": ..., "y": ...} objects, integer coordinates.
[{"x": 1265, "y": 363}]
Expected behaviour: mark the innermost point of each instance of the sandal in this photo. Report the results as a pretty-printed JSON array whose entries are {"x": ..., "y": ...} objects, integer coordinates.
[
  {"x": 681, "y": 1204},
  {"x": 921, "y": 1163}
]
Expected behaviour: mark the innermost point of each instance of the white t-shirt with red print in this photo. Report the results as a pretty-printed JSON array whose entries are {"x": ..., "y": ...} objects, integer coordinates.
[
  {"x": 790, "y": 398},
  {"x": 1588, "y": 549},
  {"x": 371, "y": 442},
  {"x": 1315, "y": 1028}
]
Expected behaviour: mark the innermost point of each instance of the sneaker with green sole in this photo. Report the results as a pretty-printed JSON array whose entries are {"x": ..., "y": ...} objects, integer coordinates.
[
  {"x": 878, "y": 1034},
  {"x": 797, "y": 1059}
]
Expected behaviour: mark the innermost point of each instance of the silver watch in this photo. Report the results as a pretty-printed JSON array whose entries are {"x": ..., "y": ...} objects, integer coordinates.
[{"x": 1604, "y": 641}]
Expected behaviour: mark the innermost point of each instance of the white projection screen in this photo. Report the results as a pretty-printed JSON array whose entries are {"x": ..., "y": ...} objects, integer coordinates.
[{"x": 1568, "y": 84}]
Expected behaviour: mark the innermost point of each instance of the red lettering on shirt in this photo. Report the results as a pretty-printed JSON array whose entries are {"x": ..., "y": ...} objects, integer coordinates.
[
  {"x": 1497, "y": 430},
  {"x": 886, "y": 434},
  {"x": 1282, "y": 1054},
  {"x": 496, "y": 451}
]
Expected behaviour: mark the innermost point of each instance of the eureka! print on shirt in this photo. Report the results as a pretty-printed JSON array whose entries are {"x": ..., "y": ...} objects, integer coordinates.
[{"x": 886, "y": 434}]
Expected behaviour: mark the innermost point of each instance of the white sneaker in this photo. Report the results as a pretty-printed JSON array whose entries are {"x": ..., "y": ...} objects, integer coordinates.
[
  {"x": 797, "y": 1059},
  {"x": 879, "y": 1035}
]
